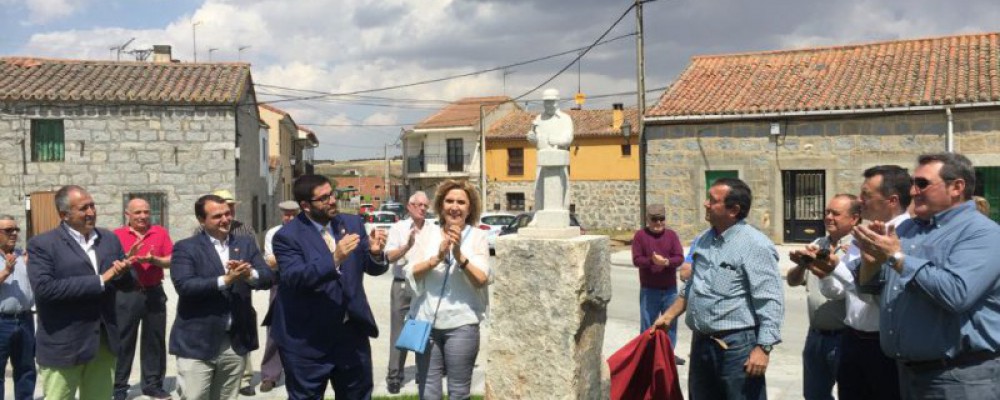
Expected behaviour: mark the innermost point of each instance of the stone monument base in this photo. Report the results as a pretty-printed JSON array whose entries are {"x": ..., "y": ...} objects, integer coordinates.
[{"x": 547, "y": 316}]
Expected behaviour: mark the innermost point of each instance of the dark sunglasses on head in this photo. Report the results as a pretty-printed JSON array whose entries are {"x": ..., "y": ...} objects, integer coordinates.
[
  {"x": 658, "y": 219},
  {"x": 11, "y": 230}
]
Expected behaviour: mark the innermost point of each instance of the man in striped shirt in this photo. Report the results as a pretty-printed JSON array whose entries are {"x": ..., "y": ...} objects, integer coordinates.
[{"x": 735, "y": 300}]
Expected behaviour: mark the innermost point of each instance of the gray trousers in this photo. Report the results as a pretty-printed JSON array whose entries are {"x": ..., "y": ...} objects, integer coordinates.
[
  {"x": 451, "y": 351},
  {"x": 213, "y": 379},
  {"x": 972, "y": 382},
  {"x": 399, "y": 303}
]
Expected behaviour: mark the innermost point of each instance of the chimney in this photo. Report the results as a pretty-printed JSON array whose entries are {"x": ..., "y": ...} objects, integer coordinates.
[
  {"x": 617, "y": 116},
  {"x": 162, "y": 54}
]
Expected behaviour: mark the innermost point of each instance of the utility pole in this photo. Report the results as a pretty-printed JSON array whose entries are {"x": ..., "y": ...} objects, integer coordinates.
[
  {"x": 640, "y": 66},
  {"x": 482, "y": 155},
  {"x": 194, "y": 40},
  {"x": 385, "y": 185}
]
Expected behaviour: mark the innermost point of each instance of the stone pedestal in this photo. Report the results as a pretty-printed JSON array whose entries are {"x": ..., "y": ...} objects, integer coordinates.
[{"x": 547, "y": 317}]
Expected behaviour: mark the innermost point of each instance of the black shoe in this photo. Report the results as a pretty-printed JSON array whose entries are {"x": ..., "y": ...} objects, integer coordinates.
[
  {"x": 393, "y": 387},
  {"x": 120, "y": 395},
  {"x": 156, "y": 393},
  {"x": 679, "y": 361},
  {"x": 266, "y": 386},
  {"x": 248, "y": 391}
]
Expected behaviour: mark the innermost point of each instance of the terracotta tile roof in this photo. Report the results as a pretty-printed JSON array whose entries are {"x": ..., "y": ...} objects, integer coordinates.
[
  {"x": 586, "y": 123},
  {"x": 121, "y": 82},
  {"x": 904, "y": 73},
  {"x": 464, "y": 112},
  {"x": 273, "y": 109}
]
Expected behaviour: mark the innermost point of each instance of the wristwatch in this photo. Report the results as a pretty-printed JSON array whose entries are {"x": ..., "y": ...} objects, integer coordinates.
[
  {"x": 896, "y": 258},
  {"x": 766, "y": 348}
]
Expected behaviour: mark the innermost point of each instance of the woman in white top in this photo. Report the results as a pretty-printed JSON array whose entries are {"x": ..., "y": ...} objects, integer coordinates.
[{"x": 451, "y": 282}]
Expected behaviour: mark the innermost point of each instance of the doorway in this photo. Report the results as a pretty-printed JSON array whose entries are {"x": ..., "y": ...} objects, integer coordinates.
[{"x": 804, "y": 193}]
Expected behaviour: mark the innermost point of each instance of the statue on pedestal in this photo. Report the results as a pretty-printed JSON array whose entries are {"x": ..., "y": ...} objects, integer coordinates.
[{"x": 552, "y": 133}]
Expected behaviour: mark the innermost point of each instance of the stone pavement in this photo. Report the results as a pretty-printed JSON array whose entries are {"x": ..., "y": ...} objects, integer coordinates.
[{"x": 784, "y": 376}]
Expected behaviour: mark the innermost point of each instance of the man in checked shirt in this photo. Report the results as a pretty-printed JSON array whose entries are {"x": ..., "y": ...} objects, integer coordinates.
[{"x": 734, "y": 300}]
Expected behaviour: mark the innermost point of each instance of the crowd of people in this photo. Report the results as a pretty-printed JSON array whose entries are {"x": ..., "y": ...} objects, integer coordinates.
[
  {"x": 90, "y": 290},
  {"x": 903, "y": 290},
  {"x": 903, "y": 294}
]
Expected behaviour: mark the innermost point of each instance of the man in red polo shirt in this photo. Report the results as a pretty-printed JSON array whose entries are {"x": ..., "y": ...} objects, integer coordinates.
[{"x": 147, "y": 304}]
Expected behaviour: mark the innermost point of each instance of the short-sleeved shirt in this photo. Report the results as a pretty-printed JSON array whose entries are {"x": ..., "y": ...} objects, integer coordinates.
[
  {"x": 157, "y": 241},
  {"x": 15, "y": 292},
  {"x": 399, "y": 234}
]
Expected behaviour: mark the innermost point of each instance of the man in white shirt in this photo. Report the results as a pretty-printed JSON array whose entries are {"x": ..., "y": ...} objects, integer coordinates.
[
  {"x": 864, "y": 371},
  {"x": 402, "y": 237},
  {"x": 270, "y": 366}
]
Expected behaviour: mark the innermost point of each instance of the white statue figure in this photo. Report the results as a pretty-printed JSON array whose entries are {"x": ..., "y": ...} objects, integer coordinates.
[{"x": 552, "y": 133}]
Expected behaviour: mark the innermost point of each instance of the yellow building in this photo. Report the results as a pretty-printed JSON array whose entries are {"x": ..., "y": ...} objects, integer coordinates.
[{"x": 604, "y": 168}]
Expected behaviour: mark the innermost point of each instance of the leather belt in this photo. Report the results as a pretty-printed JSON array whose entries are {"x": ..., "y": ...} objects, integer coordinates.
[
  {"x": 150, "y": 287},
  {"x": 864, "y": 335},
  {"x": 945, "y": 363},
  {"x": 17, "y": 315},
  {"x": 827, "y": 332},
  {"x": 395, "y": 279}
]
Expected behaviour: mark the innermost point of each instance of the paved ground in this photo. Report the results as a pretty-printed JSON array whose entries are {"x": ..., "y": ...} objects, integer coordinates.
[{"x": 783, "y": 376}]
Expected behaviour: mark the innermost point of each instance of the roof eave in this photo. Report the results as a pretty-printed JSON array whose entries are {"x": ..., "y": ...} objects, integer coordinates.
[{"x": 788, "y": 114}]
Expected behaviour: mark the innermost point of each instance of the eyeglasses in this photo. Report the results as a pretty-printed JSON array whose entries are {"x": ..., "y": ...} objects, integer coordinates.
[
  {"x": 421, "y": 205},
  {"x": 324, "y": 198},
  {"x": 657, "y": 219},
  {"x": 923, "y": 183},
  {"x": 10, "y": 230}
]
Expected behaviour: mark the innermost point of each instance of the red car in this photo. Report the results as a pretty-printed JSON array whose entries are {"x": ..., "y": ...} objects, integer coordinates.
[{"x": 366, "y": 209}]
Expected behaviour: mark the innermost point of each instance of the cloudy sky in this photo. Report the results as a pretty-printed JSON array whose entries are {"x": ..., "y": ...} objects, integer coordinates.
[{"x": 307, "y": 47}]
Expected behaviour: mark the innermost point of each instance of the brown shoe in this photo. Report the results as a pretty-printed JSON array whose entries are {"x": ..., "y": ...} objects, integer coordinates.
[{"x": 266, "y": 386}]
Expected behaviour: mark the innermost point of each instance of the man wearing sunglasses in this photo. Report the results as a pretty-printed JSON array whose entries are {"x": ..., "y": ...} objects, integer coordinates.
[
  {"x": 657, "y": 252},
  {"x": 939, "y": 280},
  {"x": 17, "y": 322}
]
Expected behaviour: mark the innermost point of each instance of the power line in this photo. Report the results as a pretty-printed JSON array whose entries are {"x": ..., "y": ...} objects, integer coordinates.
[
  {"x": 582, "y": 53},
  {"x": 320, "y": 95}
]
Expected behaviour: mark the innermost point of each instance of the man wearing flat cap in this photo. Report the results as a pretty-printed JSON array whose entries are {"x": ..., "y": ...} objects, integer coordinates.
[
  {"x": 270, "y": 366},
  {"x": 657, "y": 252}
]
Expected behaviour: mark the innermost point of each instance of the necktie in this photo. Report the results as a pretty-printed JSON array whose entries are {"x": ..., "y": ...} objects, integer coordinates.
[{"x": 328, "y": 238}]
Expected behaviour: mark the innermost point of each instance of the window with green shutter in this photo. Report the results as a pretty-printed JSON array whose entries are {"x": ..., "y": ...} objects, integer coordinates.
[
  {"x": 47, "y": 140},
  {"x": 711, "y": 176},
  {"x": 988, "y": 186}
]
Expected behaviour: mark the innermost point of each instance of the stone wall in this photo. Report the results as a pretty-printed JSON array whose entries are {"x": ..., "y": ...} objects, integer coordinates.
[
  {"x": 843, "y": 147},
  {"x": 599, "y": 204},
  {"x": 183, "y": 152}
]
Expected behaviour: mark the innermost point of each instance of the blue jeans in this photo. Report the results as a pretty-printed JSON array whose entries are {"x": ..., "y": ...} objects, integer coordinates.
[
  {"x": 653, "y": 302},
  {"x": 819, "y": 364},
  {"x": 971, "y": 382},
  {"x": 17, "y": 343},
  {"x": 718, "y": 373}
]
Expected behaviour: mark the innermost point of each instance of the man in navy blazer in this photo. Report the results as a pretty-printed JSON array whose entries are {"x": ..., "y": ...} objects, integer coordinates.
[
  {"x": 75, "y": 270},
  {"x": 216, "y": 324},
  {"x": 321, "y": 320}
]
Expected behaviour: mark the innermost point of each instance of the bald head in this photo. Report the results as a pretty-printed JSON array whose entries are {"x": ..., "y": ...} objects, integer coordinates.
[{"x": 137, "y": 214}]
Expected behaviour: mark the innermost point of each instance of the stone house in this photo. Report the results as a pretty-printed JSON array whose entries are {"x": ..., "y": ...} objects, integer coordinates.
[
  {"x": 285, "y": 147},
  {"x": 801, "y": 125},
  {"x": 603, "y": 171},
  {"x": 167, "y": 132},
  {"x": 446, "y": 145}
]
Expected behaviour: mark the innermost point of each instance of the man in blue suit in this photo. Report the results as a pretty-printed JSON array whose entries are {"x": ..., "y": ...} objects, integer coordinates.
[
  {"x": 216, "y": 324},
  {"x": 321, "y": 320},
  {"x": 75, "y": 270}
]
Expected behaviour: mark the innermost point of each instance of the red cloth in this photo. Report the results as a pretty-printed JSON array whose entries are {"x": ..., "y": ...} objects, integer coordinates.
[
  {"x": 157, "y": 242},
  {"x": 644, "y": 369}
]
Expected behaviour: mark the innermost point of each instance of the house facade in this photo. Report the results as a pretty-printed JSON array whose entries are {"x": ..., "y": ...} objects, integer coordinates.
[
  {"x": 801, "y": 126},
  {"x": 603, "y": 171},
  {"x": 446, "y": 145},
  {"x": 167, "y": 132}
]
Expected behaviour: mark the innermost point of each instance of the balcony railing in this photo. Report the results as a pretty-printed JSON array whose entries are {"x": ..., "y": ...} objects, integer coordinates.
[{"x": 454, "y": 163}]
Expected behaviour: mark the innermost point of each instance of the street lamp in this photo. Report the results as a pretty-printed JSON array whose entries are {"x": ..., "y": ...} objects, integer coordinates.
[
  {"x": 194, "y": 40},
  {"x": 626, "y": 130},
  {"x": 210, "y": 51},
  {"x": 239, "y": 52}
]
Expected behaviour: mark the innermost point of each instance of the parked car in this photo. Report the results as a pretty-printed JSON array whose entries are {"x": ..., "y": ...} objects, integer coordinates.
[
  {"x": 366, "y": 208},
  {"x": 396, "y": 208},
  {"x": 494, "y": 222},
  {"x": 524, "y": 219},
  {"x": 379, "y": 220}
]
